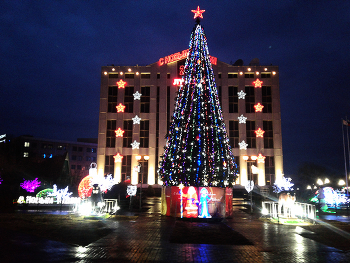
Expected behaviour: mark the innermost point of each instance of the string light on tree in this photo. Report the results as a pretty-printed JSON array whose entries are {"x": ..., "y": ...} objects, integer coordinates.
[
  {"x": 259, "y": 133},
  {"x": 257, "y": 83},
  {"x": 258, "y": 107},
  {"x": 120, "y": 108},
  {"x": 121, "y": 84},
  {"x": 241, "y": 94}
]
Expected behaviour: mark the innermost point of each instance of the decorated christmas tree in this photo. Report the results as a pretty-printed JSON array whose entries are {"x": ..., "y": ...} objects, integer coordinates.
[{"x": 197, "y": 151}]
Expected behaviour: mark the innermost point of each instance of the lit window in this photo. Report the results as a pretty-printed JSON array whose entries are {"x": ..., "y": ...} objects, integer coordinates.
[
  {"x": 25, "y": 154},
  {"x": 26, "y": 144}
]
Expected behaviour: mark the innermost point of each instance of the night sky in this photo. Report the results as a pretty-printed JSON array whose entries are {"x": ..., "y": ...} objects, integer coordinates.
[{"x": 52, "y": 53}]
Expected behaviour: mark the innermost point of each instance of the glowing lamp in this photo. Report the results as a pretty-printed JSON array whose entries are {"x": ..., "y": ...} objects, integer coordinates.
[
  {"x": 308, "y": 187},
  {"x": 113, "y": 69},
  {"x": 257, "y": 73},
  {"x": 249, "y": 69},
  {"x": 273, "y": 72},
  {"x": 129, "y": 69},
  {"x": 121, "y": 72},
  {"x": 138, "y": 157},
  {"x": 245, "y": 158},
  {"x": 137, "y": 73},
  {"x": 341, "y": 182},
  {"x": 265, "y": 69},
  {"x": 241, "y": 73},
  {"x": 326, "y": 181},
  {"x": 319, "y": 182},
  {"x": 146, "y": 157},
  {"x": 254, "y": 158},
  {"x": 105, "y": 72}
]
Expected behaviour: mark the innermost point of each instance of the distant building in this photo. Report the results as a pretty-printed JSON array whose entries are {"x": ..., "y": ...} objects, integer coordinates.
[{"x": 137, "y": 102}]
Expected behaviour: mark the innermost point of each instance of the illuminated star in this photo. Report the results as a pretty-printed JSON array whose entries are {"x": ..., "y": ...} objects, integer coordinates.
[
  {"x": 118, "y": 158},
  {"x": 135, "y": 145},
  {"x": 259, "y": 132},
  {"x": 119, "y": 133},
  {"x": 241, "y": 94},
  {"x": 242, "y": 119},
  {"x": 243, "y": 145},
  {"x": 198, "y": 13},
  {"x": 120, "y": 108},
  {"x": 136, "y": 120},
  {"x": 257, "y": 83},
  {"x": 261, "y": 159},
  {"x": 121, "y": 84},
  {"x": 137, "y": 95},
  {"x": 258, "y": 107}
]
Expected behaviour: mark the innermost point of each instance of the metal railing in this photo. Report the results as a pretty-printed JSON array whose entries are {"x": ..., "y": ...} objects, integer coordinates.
[{"x": 300, "y": 210}]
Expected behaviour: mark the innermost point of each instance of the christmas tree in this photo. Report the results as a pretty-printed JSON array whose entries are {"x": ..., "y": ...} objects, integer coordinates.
[{"x": 197, "y": 151}]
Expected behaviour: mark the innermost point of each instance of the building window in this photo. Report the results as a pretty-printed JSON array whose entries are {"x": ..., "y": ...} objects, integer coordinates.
[
  {"x": 265, "y": 75},
  {"x": 129, "y": 100},
  {"x": 109, "y": 164},
  {"x": 127, "y": 136},
  {"x": 168, "y": 75},
  {"x": 143, "y": 174},
  {"x": 75, "y": 148},
  {"x": 129, "y": 75},
  {"x": 78, "y": 167},
  {"x": 158, "y": 75},
  {"x": 126, "y": 168},
  {"x": 234, "y": 134},
  {"x": 232, "y": 75},
  {"x": 266, "y": 99},
  {"x": 80, "y": 158},
  {"x": 144, "y": 134},
  {"x": 49, "y": 146},
  {"x": 145, "y": 99},
  {"x": 25, "y": 154},
  {"x": 80, "y": 149},
  {"x": 113, "y": 75},
  {"x": 74, "y": 157},
  {"x": 232, "y": 99},
  {"x": 250, "y": 134},
  {"x": 145, "y": 76},
  {"x": 249, "y": 75},
  {"x": 43, "y": 146},
  {"x": 269, "y": 170},
  {"x": 268, "y": 135},
  {"x": 26, "y": 144},
  {"x": 88, "y": 150},
  {"x": 72, "y": 167},
  {"x": 112, "y": 98},
  {"x": 249, "y": 99},
  {"x": 110, "y": 134},
  {"x": 93, "y": 150},
  {"x": 219, "y": 75},
  {"x": 88, "y": 158}
]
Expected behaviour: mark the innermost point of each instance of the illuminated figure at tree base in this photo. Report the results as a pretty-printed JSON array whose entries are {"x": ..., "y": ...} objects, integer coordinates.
[
  {"x": 191, "y": 203},
  {"x": 203, "y": 203},
  {"x": 96, "y": 199}
]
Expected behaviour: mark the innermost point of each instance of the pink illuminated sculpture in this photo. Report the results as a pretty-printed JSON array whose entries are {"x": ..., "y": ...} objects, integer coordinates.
[{"x": 30, "y": 185}]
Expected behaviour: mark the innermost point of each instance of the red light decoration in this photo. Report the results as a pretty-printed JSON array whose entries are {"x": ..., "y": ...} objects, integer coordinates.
[
  {"x": 181, "y": 55},
  {"x": 120, "y": 108},
  {"x": 198, "y": 13},
  {"x": 177, "y": 82},
  {"x": 84, "y": 188},
  {"x": 119, "y": 133},
  {"x": 121, "y": 84},
  {"x": 257, "y": 83},
  {"x": 261, "y": 158},
  {"x": 258, "y": 107},
  {"x": 259, "y": 133},
  {"x": 118, "y": 158}
]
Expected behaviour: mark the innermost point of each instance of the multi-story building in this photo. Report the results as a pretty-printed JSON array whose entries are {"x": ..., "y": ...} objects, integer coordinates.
[{"x": 137, "y": 102}]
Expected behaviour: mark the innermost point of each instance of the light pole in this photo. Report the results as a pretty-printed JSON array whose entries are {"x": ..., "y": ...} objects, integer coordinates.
[
  {"x": 138, "y": 158},
  {"x": 250, "y": 184}
]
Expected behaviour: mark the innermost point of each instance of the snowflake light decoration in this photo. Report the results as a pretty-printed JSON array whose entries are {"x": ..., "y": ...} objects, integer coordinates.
[
  {"x": 136, "y": 120},
  {"x": 61, "y": 194},
  {"x": 241, "y": 94},
  {"x": 137, "y": 95},
  {"x": 30, "y": 185},
  {"x": 121, "y": 84},
  {"x": 135, "y": 145},
  {"x": 243, "y": 145},
  {"x": 283, "y": 184},
  {"x": 106, "y": 183},
  {"x": 242, "y": 119}
]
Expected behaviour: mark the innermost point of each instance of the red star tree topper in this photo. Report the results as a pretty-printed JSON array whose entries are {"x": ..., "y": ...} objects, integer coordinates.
[
  {"x": 120, "y": 108},
  {"x": 257, "y": 83},
  {"x": 259, "y": 133},
  {"x": 119, "y": 133},
  {"x": 198, "y": 13},
  {"x": 121, "y": 84}
]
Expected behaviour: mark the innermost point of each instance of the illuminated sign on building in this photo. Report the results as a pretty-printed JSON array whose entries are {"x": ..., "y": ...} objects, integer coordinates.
[
  {"x": 177, "y": 82},
  {"x": 181, "y": 55}
]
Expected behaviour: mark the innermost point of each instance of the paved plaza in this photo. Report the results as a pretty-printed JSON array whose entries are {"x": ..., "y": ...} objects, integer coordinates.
[{"x": 145, "y": 237}]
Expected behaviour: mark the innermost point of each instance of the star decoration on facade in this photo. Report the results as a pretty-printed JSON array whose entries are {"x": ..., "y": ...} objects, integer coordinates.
[
  {"x": 242, "y": 119},
  {"x": 135, "y": 145},
  {"x": 119, "y": 133},
  {"x": 118, "y": 158},
  {"x": 198, "y": 13},
  {"x": 241, "y": 94},
  {"x": 257, "y": 83},
  {"x": 261, "y": 158},
  {"x": 259, "y": 133},
  {"x": 136, "y": 120},
  {"x": 121, "y": 84},
  {"x": 137, "y": 95},
  {"x": 258, "y": 107},
  {"x": 243, "y": 145},
  {"x": 120, "y": 108}
]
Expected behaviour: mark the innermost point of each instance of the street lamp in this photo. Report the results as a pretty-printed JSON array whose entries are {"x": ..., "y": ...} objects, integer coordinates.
[
  {"x": 138, "y": 158},
  {"x": 319, "y": 182},
  {"x": 250, "y": 185}
]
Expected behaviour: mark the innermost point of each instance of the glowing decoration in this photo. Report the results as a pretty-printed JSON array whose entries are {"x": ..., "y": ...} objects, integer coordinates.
[
  {"x": 119, "y": 133},
  {"x": 242, "y": 119},
  {"x": 131, "y": 190},
  {"x": 283, "y": 184},
  {"x": 198, "y": 13},
  {"x": 84, "y": 188},
  {"x": 21, "y": 200},
  {"x": 261, "y": 158},
  {"x": 44, "y": 193},
  {"x": 106, "y": 183},
  {"x": 191, "y": 203},
  {"x": 118, "y": 158},
  {"x": 177, "y": 82},
  {"x": 257, "y": 83},
  {"x": 135, "y": 145},
  {"x": 136, "y": 120},
  {"x": 121, "y": 84},
  {"x": 60, "y": 194},
  {"x": 249, "y": 186},
  {"x": 203, "y": 203},
  {"x": 30, "y": 185},
  {"x": 243, "y": 145},
  {"x": 181, "y": 55},
  {"x": 0, "y": 180},
  {"x": 286, "y": 200},
  {"x": 137, "y": 95},
  {"x": 258, "y": 107},
  {"x": 241, "y": 94},
  {"x": 259, "y": 133},
  {"x": 120, "y": 107}
]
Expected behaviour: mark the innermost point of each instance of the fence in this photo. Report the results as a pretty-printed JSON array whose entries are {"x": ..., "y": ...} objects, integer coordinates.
[{"x": 300, "y": 210}]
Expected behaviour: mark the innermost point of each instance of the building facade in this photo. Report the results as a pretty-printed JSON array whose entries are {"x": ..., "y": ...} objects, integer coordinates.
[{"x": 137, "y": 102}]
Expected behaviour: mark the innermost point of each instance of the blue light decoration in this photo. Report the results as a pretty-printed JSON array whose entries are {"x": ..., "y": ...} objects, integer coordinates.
[
  {"x": 284, "y": 184},
  {"x": 203, "y": 203},
  {"x": 197, "y": 151},
  {"x": 332, "y": 198}
]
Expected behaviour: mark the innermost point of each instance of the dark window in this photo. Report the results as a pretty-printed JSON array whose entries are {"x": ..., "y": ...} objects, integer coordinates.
[
  {"x": 110, "y": 134},
  {"x": 143, "y": 174},
  {"x": 129, "y": 75},
  {"x": 80, "y": 158},
  {"x": 109, "y": 164},
  {"x": 234, "y": 134},
  {"x": 265, "y": 75},
  {"x": 249, "y": 99},
  {"x": 127, "y": 136},
  {"x": 75, "y": 148},
  {"x": 268, "y": 135},
  {"x": 74, "y": 157},
  {"x": 72, "y": 167},
  {"x": 129, "y": 100},
  {"x": 250, "y": 134},
  {"x": 78, "y": 167},
  {"x": 145, "y": 100},
  {"x": 269, "y": 170},
  {"x": 126, "y": 168},
  {"x": 144, "y": 134},
  {"x": 232, "y": 75},
  {"x": 145, "y": 75},
  {"x": 112, "y": 98},
  {"x": 80, "y": 149},
  {"x": 266, "y": 99},
  {"x": 113, "y": 75},
  {"x": 158, "y": 75},
  {"x": 233, "y": 99},
  {"x": 168, "y": 75},
  {"x": 88, "y": 150},
  {"x": 249, "y": 75},
  {"x": 219, "y": 75}
]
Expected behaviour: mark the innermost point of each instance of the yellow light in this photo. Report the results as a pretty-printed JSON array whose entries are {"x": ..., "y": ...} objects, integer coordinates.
[
  {"x": 249, "y": 69},
  {"x": 265, "y": 69},
  {"x": 254, "y": 157},
  {"x": 308, "y": 187},
  {"x": 105, "y": 72},
  {"x": 121, "y": 73},
  {"x": 273, "y": 72},
  {"x": 146, "y": 157},
  {"x": 113, "y": 69},
  {"x": 137, "y": 73},
  {"x": 241, "y": 73},
  {"x": 245, "y": 158},
  {"x": 319, "y": 182},
  {"x": 138, "y": 157},
  {"x": 129, "y": 69},
  {"x": 257, "y": 73},
  {"x": 326, "y": 181},
  {"x": 341, "y": 182}
]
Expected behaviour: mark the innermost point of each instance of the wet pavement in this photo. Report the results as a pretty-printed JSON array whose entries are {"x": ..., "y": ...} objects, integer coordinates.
[{"x": 145, "y": 238}]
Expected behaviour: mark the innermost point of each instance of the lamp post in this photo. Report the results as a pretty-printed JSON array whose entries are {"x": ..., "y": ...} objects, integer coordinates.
[
  {"x": 250, "y": 185},
  {"x": 138, "y": 158}
]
